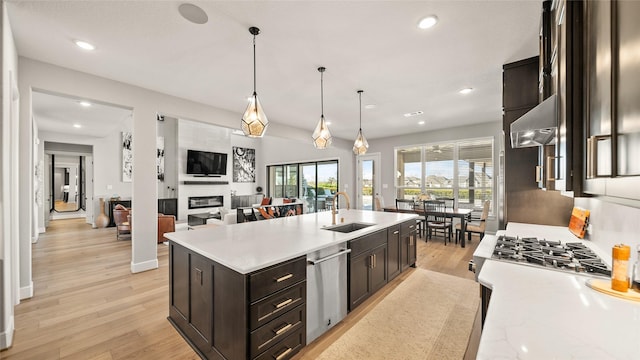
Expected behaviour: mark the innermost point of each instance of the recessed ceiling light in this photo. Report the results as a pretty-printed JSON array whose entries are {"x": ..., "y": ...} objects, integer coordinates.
[
  {"x": 370, "y": 106},
  {"x": 77, "y": 126},
  {"x": 84, "y": 103},
  {"x": 465, "y": 90},
  {"x": 84, "y": 45},
  {"x": 421, "y": 123},
  {"x": 193, "y": 13},
  {"x": 415, "y": 113},
  {"x": 428, "y": 22}
]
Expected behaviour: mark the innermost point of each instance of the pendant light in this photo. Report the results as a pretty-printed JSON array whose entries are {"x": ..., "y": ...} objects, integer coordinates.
[
  {"x": 321, "y": 135},
  {"x": 361, "y": 145},
  {"x": 254, "y": 121}
]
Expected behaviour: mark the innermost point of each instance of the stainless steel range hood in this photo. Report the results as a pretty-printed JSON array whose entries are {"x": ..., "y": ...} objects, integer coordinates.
[{"x": 537, "y": 127}]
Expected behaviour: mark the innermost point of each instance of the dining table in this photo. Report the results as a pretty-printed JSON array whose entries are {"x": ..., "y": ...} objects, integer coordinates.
[{"x": 461, "y": 213}]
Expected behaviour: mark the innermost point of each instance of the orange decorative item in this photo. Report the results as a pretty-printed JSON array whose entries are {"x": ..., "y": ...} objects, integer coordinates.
[
  {"x": 619, "y": 273},
  {"x": 579, "y": 221}
]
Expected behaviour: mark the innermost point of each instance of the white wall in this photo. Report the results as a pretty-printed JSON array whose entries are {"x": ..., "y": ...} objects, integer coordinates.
[
  {"x": 612, "y": 223},
  {"x": 9, "y": 250},
  {"x": 386, "y": 148}
]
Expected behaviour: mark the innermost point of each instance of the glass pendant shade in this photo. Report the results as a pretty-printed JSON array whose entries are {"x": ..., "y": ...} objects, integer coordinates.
[
  {"x": 254, "y": 121},
  {"x": 361, "y": 145},
  {"x": 321, "y": 135}
]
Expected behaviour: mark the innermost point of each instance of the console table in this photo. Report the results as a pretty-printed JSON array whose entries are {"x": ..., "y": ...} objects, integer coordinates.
[{"x": 201, "y": 219}]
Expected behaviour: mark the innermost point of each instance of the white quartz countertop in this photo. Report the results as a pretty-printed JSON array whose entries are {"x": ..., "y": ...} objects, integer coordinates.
[
  {"x": 538, "y": 313},
  {"x": 251, "y": 246}
]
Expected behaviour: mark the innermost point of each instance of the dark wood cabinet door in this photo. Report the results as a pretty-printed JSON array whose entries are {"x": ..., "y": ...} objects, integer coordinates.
[
  {"x": 179, "y": 288},
  {"x": 359, "y": 279},
  {"x": 393, "y": 252},
  {"x": 412, "y": 249},
  {"x": 378, "y": 271},
  {"x": 201, "y": 289},
  {"x": 168, "y": 206}
]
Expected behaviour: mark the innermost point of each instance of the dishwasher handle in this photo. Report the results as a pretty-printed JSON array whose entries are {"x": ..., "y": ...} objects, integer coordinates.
[{"x": 318, "y": 261}]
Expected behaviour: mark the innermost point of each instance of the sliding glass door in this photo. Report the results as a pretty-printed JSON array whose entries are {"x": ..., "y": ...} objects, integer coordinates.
[{"x": 314, "y": 183}]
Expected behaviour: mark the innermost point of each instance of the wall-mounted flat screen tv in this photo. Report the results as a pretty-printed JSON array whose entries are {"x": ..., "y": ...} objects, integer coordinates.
[{"x": 205, "y": 163}]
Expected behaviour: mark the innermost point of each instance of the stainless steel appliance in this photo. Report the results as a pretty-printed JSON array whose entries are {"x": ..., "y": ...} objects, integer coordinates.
[
  {"x": 326, "y": 289},
  {"x": 568, "y": 256}
]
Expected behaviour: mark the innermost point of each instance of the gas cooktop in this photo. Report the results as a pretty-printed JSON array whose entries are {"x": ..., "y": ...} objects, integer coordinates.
[{"x": 568, "y": 256}]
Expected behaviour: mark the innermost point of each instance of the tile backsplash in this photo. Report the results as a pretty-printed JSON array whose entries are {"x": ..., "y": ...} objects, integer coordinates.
[{"x": 612, "y": 224}]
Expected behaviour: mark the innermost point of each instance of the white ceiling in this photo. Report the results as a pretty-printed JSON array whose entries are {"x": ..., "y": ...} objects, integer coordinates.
[{"x": 370, "y": 45}]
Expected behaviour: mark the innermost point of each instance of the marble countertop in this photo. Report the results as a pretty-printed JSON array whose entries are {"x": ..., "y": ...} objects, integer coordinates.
[
  {"x": 251, "y": 246},
  {"x": 538, "y": 313}
]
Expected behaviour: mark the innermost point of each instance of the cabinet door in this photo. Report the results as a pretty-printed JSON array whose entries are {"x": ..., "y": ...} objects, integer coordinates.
[
  {"x": 378, "y": 270},
  {"x": 408, "y": 249},
  {"x": 393, "y": 247},
  {"x": 628, "y": 89},
  {"x": 358, "y": 279},
  {"x": 201, "y": 289}
]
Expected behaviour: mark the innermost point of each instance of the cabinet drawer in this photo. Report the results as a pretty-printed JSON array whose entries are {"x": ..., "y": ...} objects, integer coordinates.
[
  {"x": 279, "y": 303},
  {"x": 367, "y": 242},
  {"x": 288, "y": 347},
  {"x": 268, "y": 335},
  {"x": 277, "y": 277},
  {"x": 407, "y": 227}
]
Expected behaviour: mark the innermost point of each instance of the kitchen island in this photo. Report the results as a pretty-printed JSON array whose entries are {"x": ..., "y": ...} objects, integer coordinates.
[
  {"x": 542, "y": 313},
  {"x": 239, "y": 291}
]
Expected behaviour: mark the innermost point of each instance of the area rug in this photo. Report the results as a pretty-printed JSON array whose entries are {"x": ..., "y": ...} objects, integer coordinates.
[{"x": 428, "y": 316}]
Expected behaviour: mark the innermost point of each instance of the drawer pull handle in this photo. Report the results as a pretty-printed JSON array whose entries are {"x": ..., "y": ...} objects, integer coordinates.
[
  {"x": 283, "y": 329},
  {"x": 285, "y": 353},
  {"x": 284, "y": 303},
  {"x": 283, "y": 278},
  {"x": 396, "y": 232}
]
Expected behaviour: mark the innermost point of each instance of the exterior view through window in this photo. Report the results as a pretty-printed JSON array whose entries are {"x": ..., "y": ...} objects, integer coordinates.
[
  {"x": 315, "y": 183},
  {"x": 462, "y": 170}
]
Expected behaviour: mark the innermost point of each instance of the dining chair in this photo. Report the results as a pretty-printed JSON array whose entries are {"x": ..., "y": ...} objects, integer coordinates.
[
  {"x": 436, "y": 219},
  {"x": 379, "y": 202},
  {"x": 476, "y": 227},
  {"x": 409, "y": 204}
]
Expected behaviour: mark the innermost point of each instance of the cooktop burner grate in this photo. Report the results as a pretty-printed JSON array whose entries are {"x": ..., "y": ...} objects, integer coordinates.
[{"x": 574, "y": 257}]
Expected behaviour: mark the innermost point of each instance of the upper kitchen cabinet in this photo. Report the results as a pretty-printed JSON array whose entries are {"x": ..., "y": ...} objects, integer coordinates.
[
  {"x": 612, "y": 90},
  {"x": 566, "y": 67}
]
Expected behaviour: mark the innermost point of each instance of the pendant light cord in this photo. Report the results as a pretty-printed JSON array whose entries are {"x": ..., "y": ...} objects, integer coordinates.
[
  {"x": 254, "y": 64},
  {"x": 360, "y": 95},
  {"x": 321, "y": 94}
]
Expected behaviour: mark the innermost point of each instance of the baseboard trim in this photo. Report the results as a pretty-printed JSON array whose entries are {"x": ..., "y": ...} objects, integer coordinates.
[
  {"x": 144, "y": 266},
  {"x": 6, "y": 336},
  {"x": 27, "y": 291},
  {"x": 42, "y": 230}
]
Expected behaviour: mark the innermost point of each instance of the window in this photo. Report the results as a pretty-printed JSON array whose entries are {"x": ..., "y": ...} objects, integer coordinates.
[
  {"x": 462, "y": 170},
  {"x": 314, "y": 183}
]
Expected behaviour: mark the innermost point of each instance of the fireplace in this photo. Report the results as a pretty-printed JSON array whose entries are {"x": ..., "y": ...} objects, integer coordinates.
[{"x": 197, "y": 202}]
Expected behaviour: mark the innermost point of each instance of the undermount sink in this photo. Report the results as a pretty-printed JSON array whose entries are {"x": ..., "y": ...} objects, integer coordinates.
[{"x": 348, "y": 227}]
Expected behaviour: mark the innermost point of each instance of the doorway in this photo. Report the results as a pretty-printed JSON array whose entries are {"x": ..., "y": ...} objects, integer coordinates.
[{"x": 368, "y": 181}]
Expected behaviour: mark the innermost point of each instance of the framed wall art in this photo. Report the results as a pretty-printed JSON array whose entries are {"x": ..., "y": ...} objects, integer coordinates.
[
  {"x": 127, "y": 157},
  {"x": 244, "y": 164}
]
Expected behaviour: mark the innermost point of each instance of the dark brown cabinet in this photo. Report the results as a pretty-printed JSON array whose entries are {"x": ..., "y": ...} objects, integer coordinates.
[
  {"x": 367, "y": 267},
  {"x": 394, "y": 266},
  {"x": 612, "y": 129},
  {"x": 227, "y": 315},
  {"x": 408, "y": 246}
]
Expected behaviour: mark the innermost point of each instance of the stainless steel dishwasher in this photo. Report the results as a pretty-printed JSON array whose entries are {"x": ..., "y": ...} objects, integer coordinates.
[{"x": 326, "y": 289}]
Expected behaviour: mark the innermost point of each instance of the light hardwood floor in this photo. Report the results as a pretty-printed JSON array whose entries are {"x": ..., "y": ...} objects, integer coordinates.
[{"x": 88, "y": 305}]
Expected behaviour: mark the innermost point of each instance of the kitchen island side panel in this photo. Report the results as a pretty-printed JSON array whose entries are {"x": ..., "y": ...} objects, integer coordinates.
[{"x": 230, "y": 320}]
